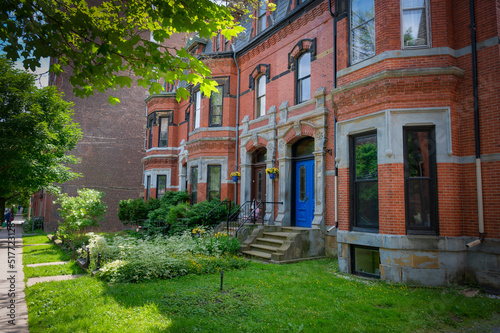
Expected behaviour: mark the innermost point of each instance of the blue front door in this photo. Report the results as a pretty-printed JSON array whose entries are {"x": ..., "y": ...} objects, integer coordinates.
[{"x": 304, "y": 193}]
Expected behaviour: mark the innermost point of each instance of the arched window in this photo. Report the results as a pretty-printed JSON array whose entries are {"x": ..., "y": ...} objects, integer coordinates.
[
  {"x": 260, "y": 93},
  {"x": 303, "y": 90}
]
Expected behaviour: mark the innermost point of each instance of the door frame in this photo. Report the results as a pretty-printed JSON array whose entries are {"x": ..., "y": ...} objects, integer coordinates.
[{"x": 293, "y": 197}]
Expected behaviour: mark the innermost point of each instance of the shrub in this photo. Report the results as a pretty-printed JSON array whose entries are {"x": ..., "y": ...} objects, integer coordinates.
[
  {"x": 78, "y": 213},
  {"x": 168, "y": 200},
  {"x": 129, "y": 259},
  {"x": 136, "y": 209},
  {"x": 198, "y": 213}
]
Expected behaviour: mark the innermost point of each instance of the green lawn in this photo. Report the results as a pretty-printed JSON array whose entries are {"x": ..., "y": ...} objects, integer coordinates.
[
  {"x": 44, "y": 253},
  {"x": 70, "y": 268},
  {"x": 39, "y": 239},
  {"x": 303, "y": 297}
]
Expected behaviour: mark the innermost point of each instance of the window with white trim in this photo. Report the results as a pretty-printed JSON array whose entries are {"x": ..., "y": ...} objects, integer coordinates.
[
  {"x": 260, "y": 93},
  {"x": 303, "y": 89},
  {"x": 197, "y": 109}
]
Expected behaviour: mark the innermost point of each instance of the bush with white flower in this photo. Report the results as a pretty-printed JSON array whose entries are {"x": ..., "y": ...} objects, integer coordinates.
[{"x": 129, "y": 259}]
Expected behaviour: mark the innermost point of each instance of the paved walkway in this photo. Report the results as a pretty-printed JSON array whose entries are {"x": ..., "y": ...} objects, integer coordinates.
[{"x": 13, "y": 309}]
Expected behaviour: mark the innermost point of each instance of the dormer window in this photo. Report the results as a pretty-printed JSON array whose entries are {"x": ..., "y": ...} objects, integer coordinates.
[
  {"x": 217, "y": 43},
  {"x": 261, "y": 18}
]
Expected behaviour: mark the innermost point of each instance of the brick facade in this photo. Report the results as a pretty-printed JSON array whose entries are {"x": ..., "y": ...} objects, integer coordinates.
[{"x": 396, "y": 89}]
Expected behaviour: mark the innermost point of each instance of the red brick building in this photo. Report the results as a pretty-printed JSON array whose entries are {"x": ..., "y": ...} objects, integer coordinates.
[{"x": 409, "y": 121}]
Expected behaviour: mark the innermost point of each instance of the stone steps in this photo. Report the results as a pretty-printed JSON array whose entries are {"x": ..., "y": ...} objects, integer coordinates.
[
  {"x": 278, "y": 244},
  {"x": 262, "y": 256}
]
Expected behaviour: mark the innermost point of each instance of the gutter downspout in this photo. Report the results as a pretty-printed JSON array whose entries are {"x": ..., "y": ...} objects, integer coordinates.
[
  {"x": 336, "y": 195},
  {"x": 237, "y": 122},
  {"x": 479, "y": 181}
]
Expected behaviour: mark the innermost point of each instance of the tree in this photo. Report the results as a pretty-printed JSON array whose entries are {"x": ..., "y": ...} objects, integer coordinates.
[
  {"x": 103, "y": 44},
  {"x": 36, "y": 131},
  {"x": 79, "y": 213}
]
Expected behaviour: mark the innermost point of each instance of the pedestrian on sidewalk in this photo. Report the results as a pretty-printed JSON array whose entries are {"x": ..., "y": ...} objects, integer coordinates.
[
  {"x": 6, "y": 218},
  {"x": 11, "y": 218}
]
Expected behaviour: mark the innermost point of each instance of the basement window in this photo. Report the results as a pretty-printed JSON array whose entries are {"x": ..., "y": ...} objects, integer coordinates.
[{"x": 365, "y": 261}]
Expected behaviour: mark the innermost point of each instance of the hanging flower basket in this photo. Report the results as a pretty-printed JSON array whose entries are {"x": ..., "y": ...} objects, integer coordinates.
[
  {"x": 235, "y": 175},
  {"x": 272, "y": 172}
]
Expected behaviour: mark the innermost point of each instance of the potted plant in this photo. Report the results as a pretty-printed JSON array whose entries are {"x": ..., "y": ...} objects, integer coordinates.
[
  {"x": 235, "y": 175},
  {"x": 272, "y": 172}
]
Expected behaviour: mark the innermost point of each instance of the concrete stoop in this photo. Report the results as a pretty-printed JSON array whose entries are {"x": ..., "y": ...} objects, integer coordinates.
[{"x": 277, "y": 244}]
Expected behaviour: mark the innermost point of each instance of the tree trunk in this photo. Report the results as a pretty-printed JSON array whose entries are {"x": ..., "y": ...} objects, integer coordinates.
[{"x": 2, "y": 208}]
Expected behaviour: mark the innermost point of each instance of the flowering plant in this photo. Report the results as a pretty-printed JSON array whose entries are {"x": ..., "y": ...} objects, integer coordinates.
[
  {"x": 272, "y": 170},
  {"x": 235, "y": 174}
]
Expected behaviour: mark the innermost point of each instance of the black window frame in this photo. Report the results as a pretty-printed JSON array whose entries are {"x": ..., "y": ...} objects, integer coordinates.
[
  {"x": 151, "y": 123},
  {"x": 160, "y": 123},
  {"x": 148, "y": 187},
  {"x": 158, "y": 185},
  {"x": 298, "y": 80},
  {"x": 351, "y": 29},
  {"x": 194, "y": 185},
  {"x": 211, "y": 115},
  {"x": 217, "y": 43},
  {"x": 353, "y": 261},
  {"x": 433, "y": 228},
  {"x": 353, "y": 182},
  {"x": 209, "y": 190},
  {"x": 261, "y": 12}
]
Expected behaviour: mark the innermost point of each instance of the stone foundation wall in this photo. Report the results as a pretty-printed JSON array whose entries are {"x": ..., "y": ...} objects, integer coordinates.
[{"x": 426, "y": 260}]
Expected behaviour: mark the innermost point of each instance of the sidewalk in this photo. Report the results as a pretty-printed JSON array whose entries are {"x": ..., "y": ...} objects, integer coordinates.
[{"x": 13, "y": 309}]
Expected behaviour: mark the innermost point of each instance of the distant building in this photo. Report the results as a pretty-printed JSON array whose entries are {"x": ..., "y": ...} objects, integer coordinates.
[
  {"x": 397, "y": 118},
  {"x": 110, "y": 151}
]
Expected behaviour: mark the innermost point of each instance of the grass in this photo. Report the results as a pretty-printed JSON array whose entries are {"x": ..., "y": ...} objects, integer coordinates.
[
  {"x": 303, "y": 297},
  {"x": 44, "y": 253},
  {"x": 70, "y": 268},
  {"x": 36, "y": 231},
  {"x": 39, "y": 239}
]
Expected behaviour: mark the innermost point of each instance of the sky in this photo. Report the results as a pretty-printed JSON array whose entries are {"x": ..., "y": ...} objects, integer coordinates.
[{"x": 42, "y": 72}]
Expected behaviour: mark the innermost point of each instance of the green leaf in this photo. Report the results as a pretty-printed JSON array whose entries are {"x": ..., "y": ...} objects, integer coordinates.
[
  {"x": 182, "y": 93},
  {"x": 113, "y": 100}
]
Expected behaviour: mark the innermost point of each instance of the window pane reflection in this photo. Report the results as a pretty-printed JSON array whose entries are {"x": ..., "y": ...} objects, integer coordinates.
[
  {"x": 419, "y": 203},
  {"x": 367, "y": 204}
]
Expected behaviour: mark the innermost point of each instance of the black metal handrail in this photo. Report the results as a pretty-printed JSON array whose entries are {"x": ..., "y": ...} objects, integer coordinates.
[
  {"x": 225, "y": 201},
  {"x": 255, "y": 213}
]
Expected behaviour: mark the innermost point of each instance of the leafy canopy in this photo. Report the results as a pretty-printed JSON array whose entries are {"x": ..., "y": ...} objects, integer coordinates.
[
  {"x": 103, "y": 45},
  {"x": 36, "y": 131}
]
